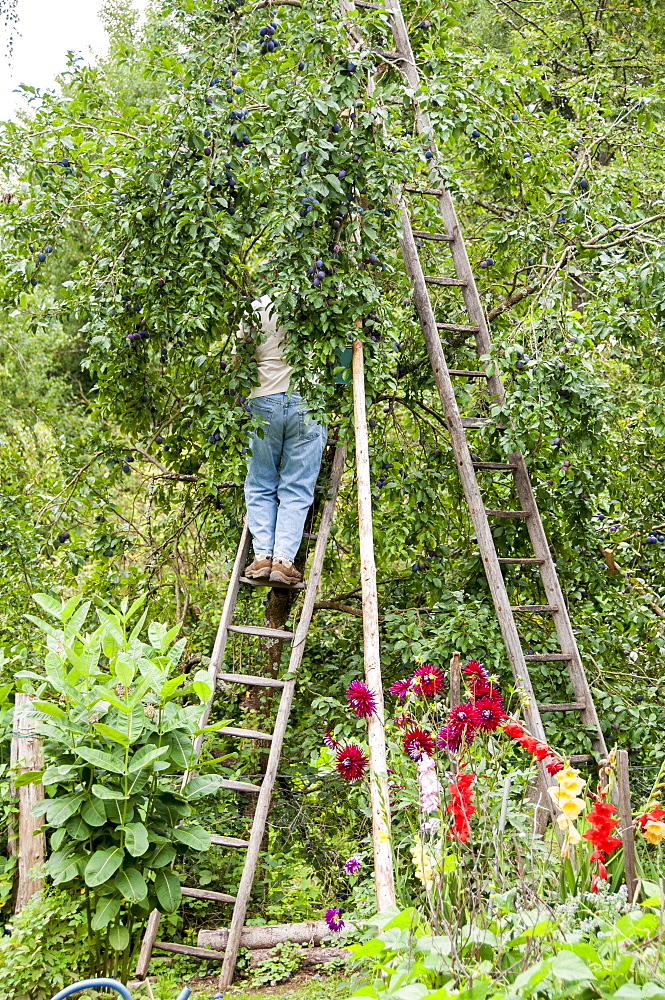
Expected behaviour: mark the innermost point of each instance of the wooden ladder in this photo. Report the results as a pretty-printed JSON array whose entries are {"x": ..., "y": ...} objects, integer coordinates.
[
  {"x": 451, "y": 236},
  {"x": 276, "y": 738}
]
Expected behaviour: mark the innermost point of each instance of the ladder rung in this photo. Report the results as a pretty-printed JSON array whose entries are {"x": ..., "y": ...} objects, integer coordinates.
[
  {"x": 465, "y": 373},
  {"x": 457, "y": 327},
  {"x": 363, "y": 4},
  {"x": 501, "y": 466},
  {"x": 547, "y": 657},
  {"x": 438, "y": 237},
  {"x": 269, "y": 682},
  {"x": 581, "y": 758},
  {"x": 219, "y": 841},
  {"x": 309, "y": 535},
  {"x": 216, "y": 897},
  {"x": 572, "y": 706},
  {"x": 437, "y": 192},
  {"x": 448, "y": 282},
  {"x": 239, "y": 786},
  {"x": 245, "y": 734},
  {"x": 265, "y": 582},
  {"x": 266, "y": 633},
  {"x": 189, "y": 949},
  {"x": 507, "y": 513},
  {"x": 475, "y": 422},
  {"x": 385, "y": 54},
  {"x": 534, "y": 607},
  {"x": 518, "y": 561}
]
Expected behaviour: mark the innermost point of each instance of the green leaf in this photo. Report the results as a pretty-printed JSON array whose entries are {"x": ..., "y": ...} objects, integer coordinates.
[
  {"x": 136, "y": 839},
  {"x": 112, "y": 734},
  {"x": 570, "y": 967},
  {"x": 172, "y": 686},
  {"x": 59, "y": 810},
  {"x": 169, "y": 893},
  {"x": 124, "y": 669},
  {"x": 100, "y": 759},
  {"x": 62, "y": 866},
  {"x": 106, "y": 910},
  {"x": 161, "y": 856},
  {"x": 49, "y": 604},
  {"x": 193, "y": 836},
  {"x": 118, "y": 937},
  {"x": 102, "y": 792},
  {"x": 93, "y": 812},
  {"x": 180, "y": 747},
  {"x": 145, "y": 756},
  {"x": 369, "y": 949},
  {"x": 131, "y": 885},
  {"x": 58, "y": 772},
  {"x": 203, "y": 784},
  {"x": 102, "y": 866},
  {"x": 49, "y": 708},
  {"x": 201, "y": 685},
  {"x": 77, "y": 828}
]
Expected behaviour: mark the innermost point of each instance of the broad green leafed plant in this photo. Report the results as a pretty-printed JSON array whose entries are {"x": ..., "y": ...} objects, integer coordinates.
[{"x": 118, "y": 723}]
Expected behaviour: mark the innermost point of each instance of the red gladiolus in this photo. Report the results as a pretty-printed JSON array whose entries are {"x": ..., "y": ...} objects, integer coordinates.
[
  {"x": 513, "y": 729},
  {"x": 554, "y": 767},
  {"x": 518, "y": 733},
  {"x": 351, "y": 762},
  {"x": 464, "y": 718},
  {"x": 600, "y": 833},
  {"x": 417, "y": 742},
  {"x": 655, "y": 814},
  {"x": 361, "y": 700},
  {"x": 401, "y": 688},
  {"x": 489, "y": 713},
  {"x": 427, "y": 680},
  {"x": 461, "y": 806}
]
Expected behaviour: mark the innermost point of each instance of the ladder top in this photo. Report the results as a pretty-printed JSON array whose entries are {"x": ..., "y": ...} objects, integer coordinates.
[
  {"x": 572, "y": 706},
  {"x": 239, "y": 786},
  {"x": 249, "y": 679},
  {"x": 220, "y": 841},
  {"x": 507, "y": 513},
  {"x": 534, "y": 607},
  {"x": 244, "y": 734},
  {"x": 217, "y": 897}
]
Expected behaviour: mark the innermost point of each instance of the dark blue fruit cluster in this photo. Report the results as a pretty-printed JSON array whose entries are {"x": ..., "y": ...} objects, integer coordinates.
[
  {"x": 137, "y": 334},
  {"x": 266, "y": 35}
]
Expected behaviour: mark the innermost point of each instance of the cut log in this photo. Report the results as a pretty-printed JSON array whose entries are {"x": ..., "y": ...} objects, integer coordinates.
[
  {"x": 309, "y": 932},
  {"x": 311, "y": 958}
]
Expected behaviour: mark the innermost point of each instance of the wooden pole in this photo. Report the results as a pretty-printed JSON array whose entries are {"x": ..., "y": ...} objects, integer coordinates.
[
  {"x": 384, "y": 878},
  {"x": 626, "y": 828},
  {"x": 29, "y": 846},
  {"x": 455, "y": 680}
]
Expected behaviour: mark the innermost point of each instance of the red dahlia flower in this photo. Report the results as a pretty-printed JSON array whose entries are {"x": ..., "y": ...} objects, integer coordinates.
[
  {"x": 461, "y": 806},
  {"x": 331, "y": 742},
  {"x": 489, "y": 713},
  {"x": 449, "y": 738},
  {"x": 404, "y": 720},
  {"x": 401, "y": 688},
  {"x": 475, "y": 669},
  {"x": 361, "y": 700},
  {"x": 427, "y": 680},
  {"x": 417, "y": 742},
  {"x": 351, "y": 762},
  {"x": 484, "y": 689},
  {"x": 464, "y": 718}
]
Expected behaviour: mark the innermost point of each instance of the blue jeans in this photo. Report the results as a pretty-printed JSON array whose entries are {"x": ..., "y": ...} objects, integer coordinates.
[{"x": 282, "y": 473}]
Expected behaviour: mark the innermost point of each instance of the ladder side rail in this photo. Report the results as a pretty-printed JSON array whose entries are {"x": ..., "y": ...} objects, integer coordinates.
[
  {"x": 467, "y": 475},
  {"x": 217, "y": 655},
  {"x": 264, "y": 796},
  {"x": 555, "y": 596}
]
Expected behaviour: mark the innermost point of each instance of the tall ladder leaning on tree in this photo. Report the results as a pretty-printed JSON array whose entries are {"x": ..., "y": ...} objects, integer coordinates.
[
  {"x": 404, "y": 60},
  {"x": 216, "y": 676}
]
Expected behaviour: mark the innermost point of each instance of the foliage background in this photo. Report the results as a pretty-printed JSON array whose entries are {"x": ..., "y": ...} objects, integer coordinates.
[{"x": 121, "y": 462}]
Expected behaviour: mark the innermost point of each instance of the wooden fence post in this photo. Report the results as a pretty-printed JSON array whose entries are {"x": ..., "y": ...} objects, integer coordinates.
[
  {"x": 384, "y": 878},
  {"x": 455, "y": 680},
  {"x": 626, "y": 827},
  {"x": 29, "y": 847}
]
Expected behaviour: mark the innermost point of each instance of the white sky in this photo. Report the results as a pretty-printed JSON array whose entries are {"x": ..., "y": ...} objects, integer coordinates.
[{"x": 48, "y": 28}]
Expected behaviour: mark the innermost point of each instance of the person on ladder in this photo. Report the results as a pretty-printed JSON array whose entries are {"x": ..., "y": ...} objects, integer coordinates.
[{"x": 284, "y": 463}]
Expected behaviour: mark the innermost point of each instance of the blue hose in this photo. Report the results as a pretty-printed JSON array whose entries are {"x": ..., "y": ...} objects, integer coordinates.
[{"x": 111, "y": 984}]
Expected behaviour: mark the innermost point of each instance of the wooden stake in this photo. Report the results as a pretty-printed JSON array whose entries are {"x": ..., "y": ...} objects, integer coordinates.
[
  {"x": 455, "y": 680},
  {"x": 626, "y": 828},
  {"x": 29, "y": 846},
  {"x": 384, "y": 878}
]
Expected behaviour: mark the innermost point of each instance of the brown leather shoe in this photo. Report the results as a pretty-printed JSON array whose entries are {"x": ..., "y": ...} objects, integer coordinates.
[
  {"x": 259, "y": 568},
  {"x": 284, "y": 572}
]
